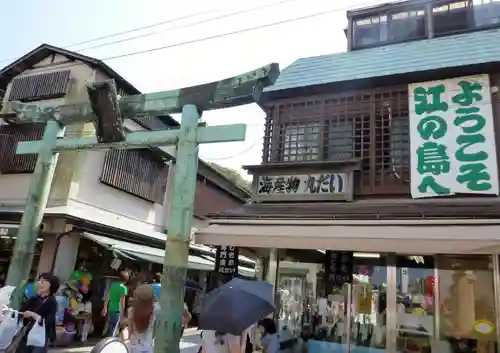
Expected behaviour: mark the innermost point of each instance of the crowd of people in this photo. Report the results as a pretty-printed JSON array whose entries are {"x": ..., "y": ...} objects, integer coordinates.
[{"x": 134, "y": 319}]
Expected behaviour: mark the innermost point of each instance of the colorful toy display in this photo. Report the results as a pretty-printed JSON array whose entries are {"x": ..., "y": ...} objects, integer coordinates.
[
  {"x": 74, "y": 307},
  {"x": 82, "y": 280}
]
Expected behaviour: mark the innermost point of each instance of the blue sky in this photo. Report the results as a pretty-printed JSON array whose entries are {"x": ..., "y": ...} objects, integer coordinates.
[{"x": 28, "y": 23}]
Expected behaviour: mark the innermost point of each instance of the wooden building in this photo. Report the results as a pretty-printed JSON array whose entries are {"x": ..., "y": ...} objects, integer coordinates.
[
  {"x": 116, "y": 198},
  {"x": 384, "y": 153}
]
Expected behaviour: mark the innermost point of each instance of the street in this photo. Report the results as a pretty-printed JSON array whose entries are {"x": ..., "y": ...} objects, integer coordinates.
[{"x": 190, "y": 343}]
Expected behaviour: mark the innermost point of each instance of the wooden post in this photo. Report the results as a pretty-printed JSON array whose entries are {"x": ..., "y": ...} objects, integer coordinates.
[
  {"x": 179, "y": 233},
  {"x": 38, "y": 195}
]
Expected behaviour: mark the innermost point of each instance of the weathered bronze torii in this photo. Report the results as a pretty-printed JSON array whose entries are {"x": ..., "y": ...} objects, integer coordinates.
[{"x": 107, "y": 111}]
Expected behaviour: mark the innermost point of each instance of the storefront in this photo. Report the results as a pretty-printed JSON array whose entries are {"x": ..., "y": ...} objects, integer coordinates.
[
  {"x": 7, "y": 240},
  {"x": 415, "y": 286}
]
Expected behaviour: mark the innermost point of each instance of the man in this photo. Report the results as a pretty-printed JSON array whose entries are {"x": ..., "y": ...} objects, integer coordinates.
[
  {"x": 186, "y": 315},
  {"x": 114, "y": 304},
  {"x": 157, "y": 284}
]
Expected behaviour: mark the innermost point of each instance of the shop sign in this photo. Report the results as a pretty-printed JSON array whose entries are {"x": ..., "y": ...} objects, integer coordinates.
[
  {"x": 226, "y": 260},
  {"x": 327, "y": 184},
  {"x": 452, "y": 138},
  {"x": 7, "y": 231},
  {"x": 339, "y": 268}
]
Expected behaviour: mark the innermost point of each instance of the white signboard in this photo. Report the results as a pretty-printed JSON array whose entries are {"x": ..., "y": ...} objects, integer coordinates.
[
  {"x": 452, "y": 140},
  {"x": 313, "y": 184}
]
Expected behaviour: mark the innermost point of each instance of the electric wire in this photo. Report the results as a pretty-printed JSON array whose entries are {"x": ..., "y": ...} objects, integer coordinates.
[
  {"x": 235, "y": 155},
  {"x": 221, "y": 35},
  {"x": 235, "y": 13},
  {"x": 185, "y": 25}
]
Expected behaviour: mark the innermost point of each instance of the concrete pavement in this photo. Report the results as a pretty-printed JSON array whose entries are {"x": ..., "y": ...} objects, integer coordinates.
[{"x": 190, "y": 343}]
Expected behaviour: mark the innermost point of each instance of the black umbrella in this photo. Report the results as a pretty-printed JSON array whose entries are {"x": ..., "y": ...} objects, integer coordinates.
[{"x": 236, "y": 305}]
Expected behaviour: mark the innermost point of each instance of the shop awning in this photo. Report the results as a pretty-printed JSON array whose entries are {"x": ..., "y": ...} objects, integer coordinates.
[
  {"x": 425, "y": 236},
  {"x": 155, "y": 255}
]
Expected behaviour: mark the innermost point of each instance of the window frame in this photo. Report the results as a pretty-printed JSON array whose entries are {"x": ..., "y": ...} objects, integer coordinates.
[
  {"x": 313, "y": 143},
  {"x": 430, "y": 21}
]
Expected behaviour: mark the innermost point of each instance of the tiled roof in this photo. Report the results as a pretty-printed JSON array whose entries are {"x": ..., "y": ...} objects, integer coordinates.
[{"x": 471, "y": 48}]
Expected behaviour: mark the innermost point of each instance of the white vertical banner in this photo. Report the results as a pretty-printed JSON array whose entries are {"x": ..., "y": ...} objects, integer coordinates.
[
  {"x": 452, "y": 139},
  {"x": 405, "y": 280}
]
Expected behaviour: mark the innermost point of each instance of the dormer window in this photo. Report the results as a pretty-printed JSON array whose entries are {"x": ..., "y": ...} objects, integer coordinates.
[
  {"x": 464, "y": 15},
  {"x": 403, "y": 21},
  {"x": 486, "y": 13},
  {"x": 389, "y": 27},
  {"x": 451, "y": 17},
  {"x": 370, "y": 30},
  {"x": 407, "y": 24}
]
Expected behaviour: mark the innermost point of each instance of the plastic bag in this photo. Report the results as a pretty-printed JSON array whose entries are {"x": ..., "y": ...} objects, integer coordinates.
[
  {"x": 8, "y": 328},
  {"x": 36, "y": 336},
  {"x": 5, "y": 295}
]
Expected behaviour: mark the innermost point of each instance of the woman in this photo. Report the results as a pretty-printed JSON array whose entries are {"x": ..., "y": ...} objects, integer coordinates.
[
  {"x": 43, "y": 306},
  {"x": 217, "y": 342},
  {"x": 141, "y": 319},
  {"x": 269, "y": 336}
]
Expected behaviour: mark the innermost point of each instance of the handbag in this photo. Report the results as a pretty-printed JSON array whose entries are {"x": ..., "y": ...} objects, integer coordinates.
[
  {"x": 19, "y": 339},
  {"x": 8, "y": 328},
  {"x": 37, "y": 335}
]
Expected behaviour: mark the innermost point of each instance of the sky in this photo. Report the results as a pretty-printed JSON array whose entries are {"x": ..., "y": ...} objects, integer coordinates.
[{"x": 28, "y": 23}]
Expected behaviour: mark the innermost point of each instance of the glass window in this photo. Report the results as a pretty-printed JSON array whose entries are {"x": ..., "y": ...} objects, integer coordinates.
[
  {"x": 408, "y": 24},
  {"x": 467, "y": 304},
  {"x": 301, "y": 142},
  {"x": 400, "y": 145},
  {"x": 326, "y": 315},
  {"x": 486, "y": 12},
  {"x": 451, "y": 17},
  {"x": 370, "y": 30},
  {"x": 369, "y": 302},
  {"x": 415, "y": 303},
  {"x": 341, "y": 140}
]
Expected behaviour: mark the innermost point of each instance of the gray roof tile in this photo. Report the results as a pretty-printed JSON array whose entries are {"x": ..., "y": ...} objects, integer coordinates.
[{"x": 452, "y": 51}]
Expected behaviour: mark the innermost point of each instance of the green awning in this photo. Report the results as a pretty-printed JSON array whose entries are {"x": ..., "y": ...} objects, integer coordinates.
[{"x": 156, "y": 255}]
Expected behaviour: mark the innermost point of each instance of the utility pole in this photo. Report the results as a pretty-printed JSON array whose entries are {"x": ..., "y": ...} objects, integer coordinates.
[{"x": 107, "y": 112}]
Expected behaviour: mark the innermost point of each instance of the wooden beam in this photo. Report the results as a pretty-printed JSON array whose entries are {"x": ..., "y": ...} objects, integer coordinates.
[
  {"x": 104, "y": 102},
  {"x": 232, "y": 92},
  {"x": 141, "y": 139}
]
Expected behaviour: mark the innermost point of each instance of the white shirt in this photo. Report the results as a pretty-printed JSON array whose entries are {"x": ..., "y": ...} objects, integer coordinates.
[
  {"x": 142, "y": 342},
  {"x": 212, "y": 344}
]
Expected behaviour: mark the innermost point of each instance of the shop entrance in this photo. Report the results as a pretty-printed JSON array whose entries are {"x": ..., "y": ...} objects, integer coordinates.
[{"x": 395, "y": 303}]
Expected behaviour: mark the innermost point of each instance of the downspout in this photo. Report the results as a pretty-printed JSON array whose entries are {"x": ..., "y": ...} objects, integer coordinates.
[{"x": 56, "y": 248}]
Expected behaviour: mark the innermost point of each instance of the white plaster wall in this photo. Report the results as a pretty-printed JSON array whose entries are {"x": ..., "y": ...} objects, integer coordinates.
[
  {"x": 91, "y": 199},
  {"x": 76, "y": 182},
  {"x": 14, "y": 187}
]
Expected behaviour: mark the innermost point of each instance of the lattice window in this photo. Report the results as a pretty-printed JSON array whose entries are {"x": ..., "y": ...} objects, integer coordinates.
[
  {"x": 10, "y": 136},
  {"x": 301, "y": 142},
  {"x": 370, "y": 127},
  {"x": 39, "y": 87},
  {"x": 136, "y": 172},
  {"x": 392, "y": 152}
]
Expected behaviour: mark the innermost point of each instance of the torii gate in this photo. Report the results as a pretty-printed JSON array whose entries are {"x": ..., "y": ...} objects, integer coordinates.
[{"x": 107, "y": 111}]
